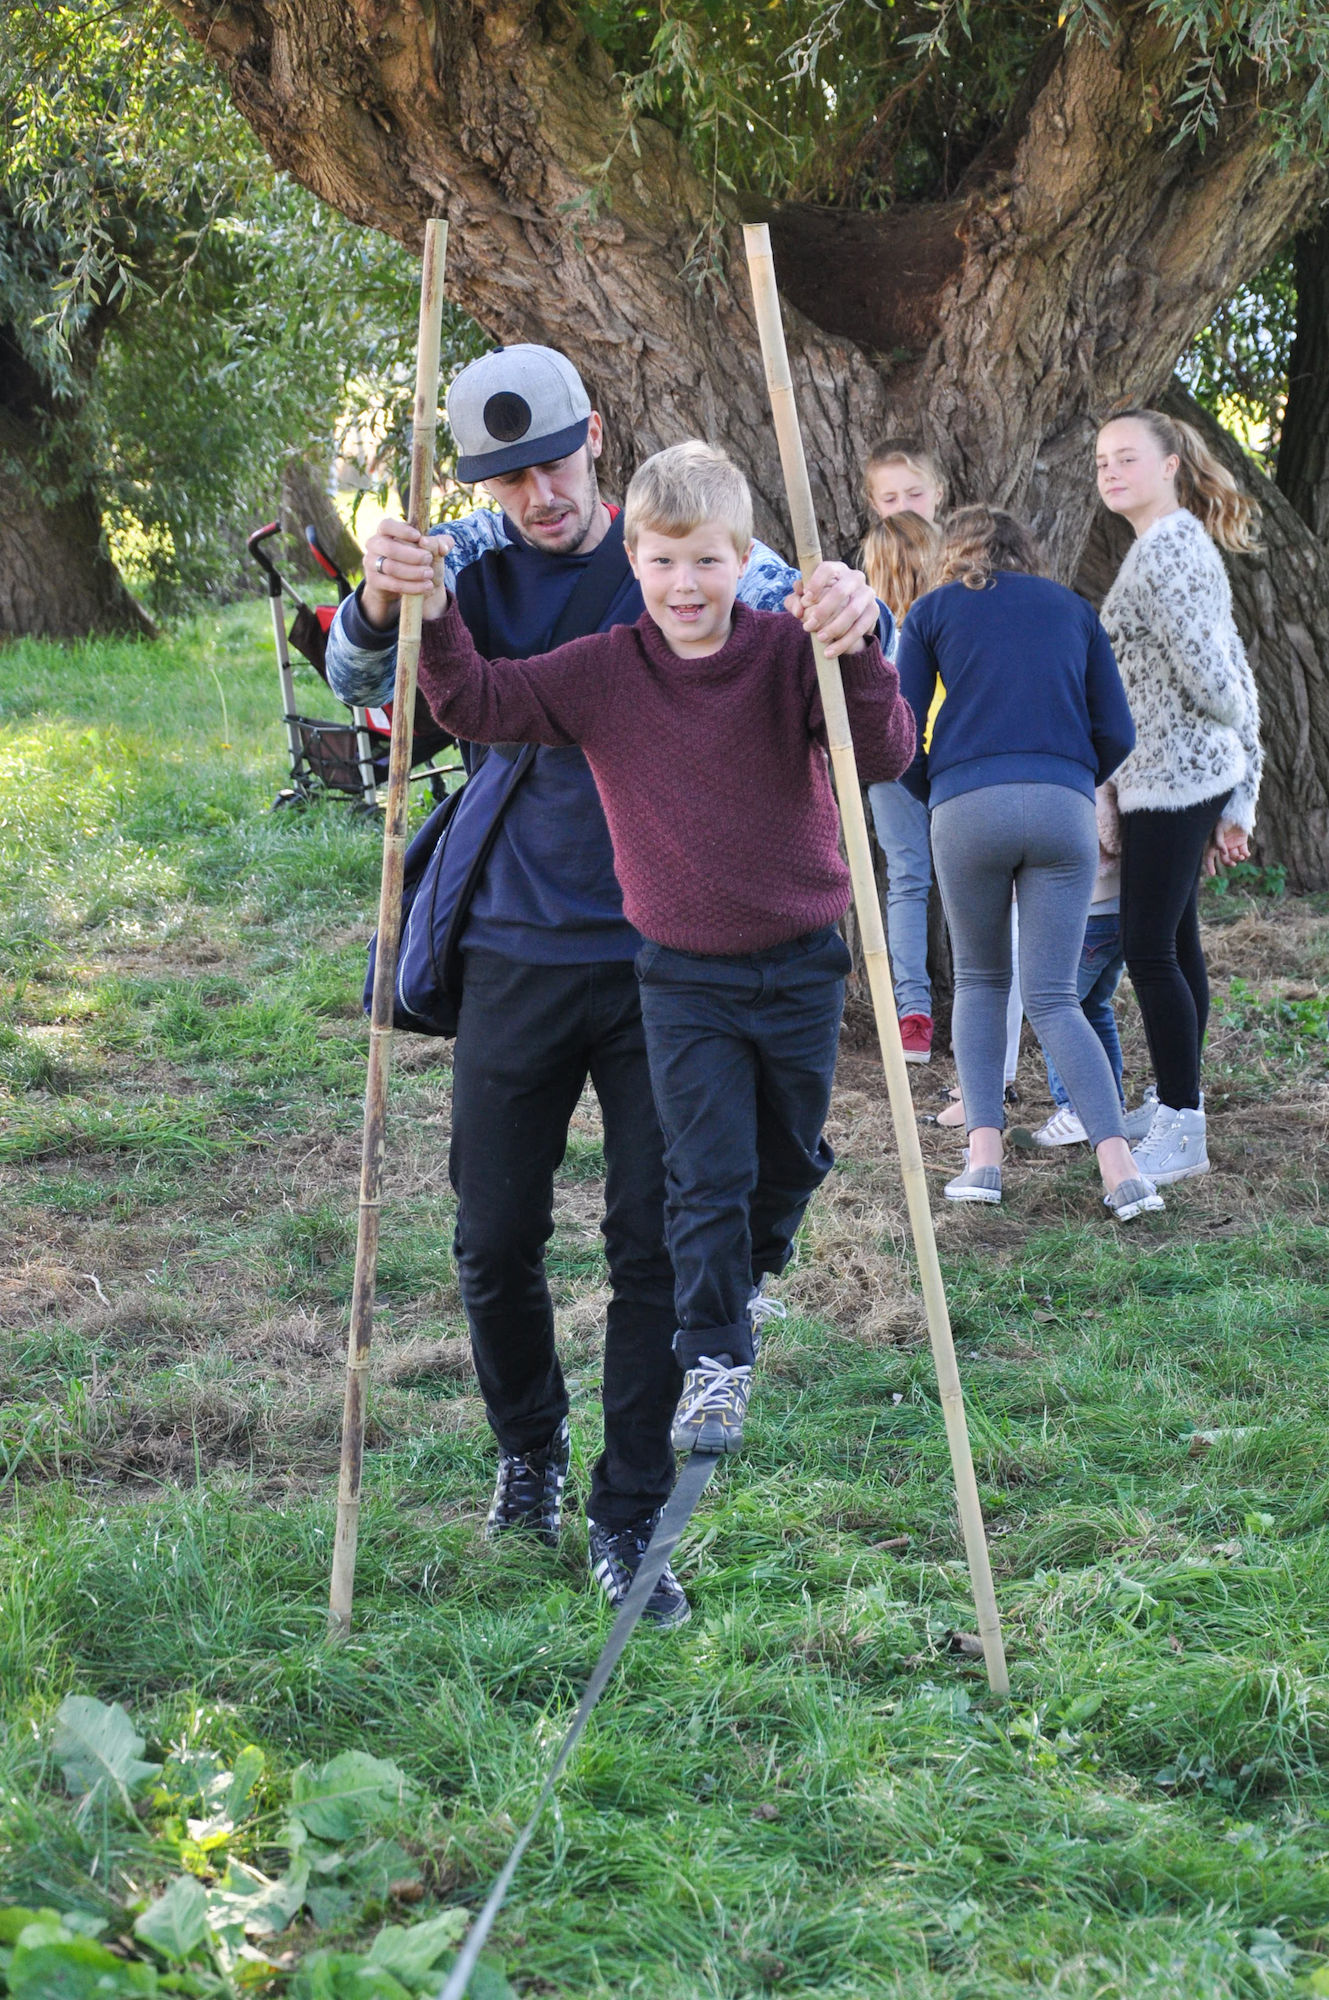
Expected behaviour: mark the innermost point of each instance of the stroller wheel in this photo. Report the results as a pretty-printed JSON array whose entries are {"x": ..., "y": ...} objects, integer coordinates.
[{"x": 294, "y": 796}]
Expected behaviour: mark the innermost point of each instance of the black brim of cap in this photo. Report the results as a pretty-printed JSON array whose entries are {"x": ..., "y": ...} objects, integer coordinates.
[{"x": 527, "y": 451}]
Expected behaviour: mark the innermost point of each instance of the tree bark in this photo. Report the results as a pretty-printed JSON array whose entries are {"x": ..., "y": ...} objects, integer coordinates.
[
  {"x": 305, "y": 503},
  {"x": 1281, "y": 599},
  {"x": 57, "y": 580},
  {"x": 1084, "y": 253},
  {"x": 1303, "y": 450}
]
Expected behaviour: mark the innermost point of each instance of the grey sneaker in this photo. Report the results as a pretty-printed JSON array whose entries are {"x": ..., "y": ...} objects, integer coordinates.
[
  {"x": 1131, "y": 1198},
  {"x": 712, "y": 1407},
  {"x": 975, "y": 1184},
  {"x": 1063, "y": 1128},
  {"x": 1175, "y": 1149},
  {"x": 1136, "y": 1123}
]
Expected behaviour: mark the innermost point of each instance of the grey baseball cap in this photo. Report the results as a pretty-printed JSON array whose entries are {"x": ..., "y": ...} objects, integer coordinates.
[{"x": 515, "y": 407}]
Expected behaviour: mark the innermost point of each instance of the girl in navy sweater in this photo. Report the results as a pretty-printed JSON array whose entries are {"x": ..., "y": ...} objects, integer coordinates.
[{"x": 1020, "y": 713}]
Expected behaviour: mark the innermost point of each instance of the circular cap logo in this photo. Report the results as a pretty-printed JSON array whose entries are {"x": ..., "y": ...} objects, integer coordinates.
[{"x": 507, "y": 416}]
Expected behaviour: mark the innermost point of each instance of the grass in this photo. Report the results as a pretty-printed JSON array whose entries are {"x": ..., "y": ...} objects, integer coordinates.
[{"x": 809, "y": 1790}]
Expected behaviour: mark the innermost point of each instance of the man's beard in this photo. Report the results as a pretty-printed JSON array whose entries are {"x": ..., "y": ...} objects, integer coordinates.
[{"x": 584, "y": 522}]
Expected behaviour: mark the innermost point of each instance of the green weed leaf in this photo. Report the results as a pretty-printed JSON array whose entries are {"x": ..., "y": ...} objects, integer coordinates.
[
  {"x": 15, "y": 1920},
  {"x": 75, "y": 1968},
  {"x": 248, "y": 1770},
  {"x": 348, "y": 1796},
  {"x": 487, "y": 1982},
  {"x": 411, "y": 1950},
  {"x": 343, "y": 1975},
  {"x": 177, "y": 1923},
  {"x": 98, "y": 1749}
]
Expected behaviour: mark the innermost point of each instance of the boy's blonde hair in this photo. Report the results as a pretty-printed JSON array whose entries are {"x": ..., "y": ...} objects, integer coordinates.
[
  {"x": 899, "y": 558},
  {"x": 685, "y": 487}
]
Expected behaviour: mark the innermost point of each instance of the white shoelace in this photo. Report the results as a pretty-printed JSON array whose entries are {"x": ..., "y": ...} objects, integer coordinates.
[{"x": 717, "y": 1387}]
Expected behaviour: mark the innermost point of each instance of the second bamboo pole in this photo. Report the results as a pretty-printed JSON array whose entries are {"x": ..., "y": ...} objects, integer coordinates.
[
  {"x": 867, "y": 901},
  {"x": 385, "y": 965}
]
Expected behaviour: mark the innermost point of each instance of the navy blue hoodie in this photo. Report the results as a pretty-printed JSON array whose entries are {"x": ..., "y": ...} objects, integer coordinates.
[{"x": 1021, "y": 686}]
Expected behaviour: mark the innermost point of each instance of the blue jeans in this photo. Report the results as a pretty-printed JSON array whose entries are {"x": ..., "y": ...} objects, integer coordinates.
[
  {"x": 741, "y": 1052},
  {"x": 902, "y": 828},
  {"x": 1096, "y": 981}
]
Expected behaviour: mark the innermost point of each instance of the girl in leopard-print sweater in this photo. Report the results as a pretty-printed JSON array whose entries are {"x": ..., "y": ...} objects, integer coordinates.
[{"x": 1188, "y": 790}]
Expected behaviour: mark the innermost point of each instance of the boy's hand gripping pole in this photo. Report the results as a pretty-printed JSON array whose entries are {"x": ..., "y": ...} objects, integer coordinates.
[
  {"x": 389, "y": 934},
  {"x": 867, "y": 903}
]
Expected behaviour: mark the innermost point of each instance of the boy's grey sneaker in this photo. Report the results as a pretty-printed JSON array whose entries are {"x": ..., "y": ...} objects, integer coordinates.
[
  {"x": 760, "y": 1309},
  {"x": 1063, "y": 1128},
  {"x": 975, "y": 1184},
  {"x": 1131, "y": 1198},
  {"x": 528, "y": 1493},
  {"x": 713, "y": 1405},
  {"x": 615, "y": 1556},
  {"x": 1175, "y": 1149}
]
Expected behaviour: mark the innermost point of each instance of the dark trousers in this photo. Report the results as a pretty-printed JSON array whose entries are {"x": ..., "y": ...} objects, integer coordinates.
[
  {"x": 742, "y": 1054},
  {"x": 528, "y": 1038},
  {"x": 1161, "y": 857}
]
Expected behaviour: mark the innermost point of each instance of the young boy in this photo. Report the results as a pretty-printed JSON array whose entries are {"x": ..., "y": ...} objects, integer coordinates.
[{"x": 702, "y": 725}]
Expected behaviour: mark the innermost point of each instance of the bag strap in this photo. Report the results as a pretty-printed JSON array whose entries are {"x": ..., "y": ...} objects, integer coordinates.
[{"x": 444, "y": 964}]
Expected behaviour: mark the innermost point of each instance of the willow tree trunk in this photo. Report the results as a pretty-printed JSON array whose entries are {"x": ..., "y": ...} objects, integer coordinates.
[
  {"x": 57, "y": 580},
  {"x": 1081, "y": 255},
  {"x": 1303, "y": 449}
]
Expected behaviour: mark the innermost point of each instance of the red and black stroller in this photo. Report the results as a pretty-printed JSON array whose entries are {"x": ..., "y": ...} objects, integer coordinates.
[{"x": 330, "y": 756}]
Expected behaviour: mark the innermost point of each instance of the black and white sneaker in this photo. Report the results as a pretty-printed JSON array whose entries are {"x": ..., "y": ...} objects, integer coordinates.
[
  {"x": 528, "y": 1492},
  {"x": 615, "y": 1556}
]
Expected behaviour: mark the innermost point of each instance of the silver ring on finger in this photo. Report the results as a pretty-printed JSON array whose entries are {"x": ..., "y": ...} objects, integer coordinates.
[{"x": 378, "y": 564}]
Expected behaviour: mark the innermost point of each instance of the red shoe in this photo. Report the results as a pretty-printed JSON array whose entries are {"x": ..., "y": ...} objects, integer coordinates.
[{"x": 916, "y": 1034}]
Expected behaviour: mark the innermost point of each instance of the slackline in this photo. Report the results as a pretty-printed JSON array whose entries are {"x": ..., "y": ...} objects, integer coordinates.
[{"x": 692, "y": 1481}]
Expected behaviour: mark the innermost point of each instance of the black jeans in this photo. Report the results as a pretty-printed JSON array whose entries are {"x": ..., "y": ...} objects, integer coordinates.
[
  {"x": 528, "y": 1038},
  {"x": 1161, "y": 857},
  {"x": 742, "y": 1053}
]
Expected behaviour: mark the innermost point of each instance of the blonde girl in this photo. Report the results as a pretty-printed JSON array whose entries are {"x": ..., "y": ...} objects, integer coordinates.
[
  {"x": 1187, "y": 792},
  {"x": 904, "y": 489}
]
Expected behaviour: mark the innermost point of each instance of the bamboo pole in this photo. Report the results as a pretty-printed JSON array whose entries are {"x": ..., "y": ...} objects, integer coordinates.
[
  {"x": 867, "y": 902},
  {"x": 385, "y": 968}
]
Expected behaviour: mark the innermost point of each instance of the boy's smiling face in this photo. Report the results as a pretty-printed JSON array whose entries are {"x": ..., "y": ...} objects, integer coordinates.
[{"x": 689, "y": 583}]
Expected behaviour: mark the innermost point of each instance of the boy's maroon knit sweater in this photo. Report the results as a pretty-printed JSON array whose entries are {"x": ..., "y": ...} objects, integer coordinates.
[{"x": 712, "y": 771}]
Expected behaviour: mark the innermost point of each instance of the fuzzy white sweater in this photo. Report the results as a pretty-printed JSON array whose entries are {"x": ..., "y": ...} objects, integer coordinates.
[{"x": 1184, "y": 668}]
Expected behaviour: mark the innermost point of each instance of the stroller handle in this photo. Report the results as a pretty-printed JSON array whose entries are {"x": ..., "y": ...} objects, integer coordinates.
[{"x": 264, "y": 561}]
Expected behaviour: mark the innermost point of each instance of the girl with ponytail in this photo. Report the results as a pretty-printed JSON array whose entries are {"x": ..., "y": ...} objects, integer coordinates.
[{"x": 1188, "y": 790}]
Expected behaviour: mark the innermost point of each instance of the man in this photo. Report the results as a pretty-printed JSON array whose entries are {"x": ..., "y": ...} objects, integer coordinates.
[{"x": 549, "y": 994}]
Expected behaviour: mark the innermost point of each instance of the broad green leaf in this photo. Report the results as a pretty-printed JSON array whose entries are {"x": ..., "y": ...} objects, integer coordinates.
[
  {"x": 247, "y": 1901},
  {"x": 410, "y": 1950},
  {"x": 98, "y": 1749},
  {"x": 248, "y": 1770},
  {"x": 15, "y": 1920},
  {"x": 77, "y": 1969},
  {"x": 177, "y": 1923},
  {"x": 487, "y": 1982},
  {"x": 348, "y": 1796},
  {"x": 344, "y": 1975}
]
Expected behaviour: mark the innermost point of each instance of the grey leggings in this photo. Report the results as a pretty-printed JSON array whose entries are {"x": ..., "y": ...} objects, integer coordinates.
[{"x": 1043, "y": 839}]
